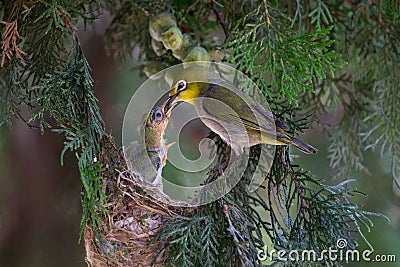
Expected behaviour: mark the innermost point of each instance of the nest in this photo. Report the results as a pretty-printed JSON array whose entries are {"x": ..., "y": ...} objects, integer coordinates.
[{"x": 127, "y": 235}]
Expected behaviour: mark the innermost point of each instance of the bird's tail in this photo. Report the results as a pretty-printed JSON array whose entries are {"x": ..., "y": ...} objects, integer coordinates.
[{"x": 306, "y": 148}]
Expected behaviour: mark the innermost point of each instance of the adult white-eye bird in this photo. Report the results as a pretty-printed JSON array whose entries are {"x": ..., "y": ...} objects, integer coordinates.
[
  {"x": 146, "y": 161},
  {"x": 236, "y": 117}
]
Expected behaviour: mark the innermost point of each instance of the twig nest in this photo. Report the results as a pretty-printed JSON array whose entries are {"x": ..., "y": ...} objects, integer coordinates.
[{"x": 134, "y": 218}]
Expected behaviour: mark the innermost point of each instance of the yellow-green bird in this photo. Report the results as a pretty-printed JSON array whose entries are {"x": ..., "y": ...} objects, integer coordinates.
[{"x": 237, "y": 118}]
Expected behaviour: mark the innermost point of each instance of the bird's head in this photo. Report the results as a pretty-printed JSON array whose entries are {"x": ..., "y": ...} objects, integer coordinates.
[
  {"x": 154, "y": 126},
  {"x": 189, "y": 85}
]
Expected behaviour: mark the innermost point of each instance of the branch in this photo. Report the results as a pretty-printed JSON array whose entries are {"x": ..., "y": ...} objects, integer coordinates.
[
  {"x": 299, "y": 188},
  {"x": 266, "y": 13},
  {"x": 9, "y": 44},
  {"x": 68, "y": 24},
  {"x": 219, "y": 17}
]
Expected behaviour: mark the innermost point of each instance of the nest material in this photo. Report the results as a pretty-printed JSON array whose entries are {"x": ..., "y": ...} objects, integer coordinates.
[{"x": 126, "y": 237}]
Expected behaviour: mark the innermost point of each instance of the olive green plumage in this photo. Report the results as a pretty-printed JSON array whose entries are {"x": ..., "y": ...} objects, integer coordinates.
[{"x": 233, "y": 115}]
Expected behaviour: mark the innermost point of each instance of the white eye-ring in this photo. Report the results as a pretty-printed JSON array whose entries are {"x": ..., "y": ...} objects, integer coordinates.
[{"x": 181, "y": 85}]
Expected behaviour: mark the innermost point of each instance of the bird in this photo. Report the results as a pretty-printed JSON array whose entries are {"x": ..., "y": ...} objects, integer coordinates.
[
  {"x": 235, "y": 116},
  {"x": 146, "y": 160}
]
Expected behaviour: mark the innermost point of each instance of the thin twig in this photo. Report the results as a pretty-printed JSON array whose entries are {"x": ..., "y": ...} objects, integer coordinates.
[
  {"x": 219, "y": 17},
  {"x": 9, "y": 44},
  {"x": 299, "y": 188},
  {"x": 266, "y": 13},
  {"x": 68, "y": 24}
]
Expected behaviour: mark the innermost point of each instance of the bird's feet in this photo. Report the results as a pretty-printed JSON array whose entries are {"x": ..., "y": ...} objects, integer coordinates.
[{"x": 216, "y": 171}]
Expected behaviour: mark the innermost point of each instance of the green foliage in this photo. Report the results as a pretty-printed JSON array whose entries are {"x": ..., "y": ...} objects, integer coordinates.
[
  {"x": 309, "y": 215},
  {"x": 291, "y": 49},
  {"x": 384, "y": 123},
  {"x": 320, "y": 14},
  {"x": 294, "y": 211},
  {"x": 67, "y": 96},
  {"x": 52, "y": 78},
  {"x": 224, "y": 233},
  {"x": 245, "y": 225},
  {"x": 274, "y": 53},
  {"x": 93, "y": 198},
  {"x": 366, "y": 91},
  {"x": 377, "y": 60},
  {"x": 128, "y": 17},
  {"x": 10, "y": 98},
  {"x": 197, "y": 240},
  {"x": 44, "y": 27}
]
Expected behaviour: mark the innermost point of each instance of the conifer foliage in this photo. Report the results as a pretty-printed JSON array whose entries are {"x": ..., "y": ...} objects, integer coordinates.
[{"x": 307, "y": 58}]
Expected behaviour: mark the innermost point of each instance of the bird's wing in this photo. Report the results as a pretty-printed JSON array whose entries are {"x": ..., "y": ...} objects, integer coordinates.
[
  {"x": 279, "y": 124},
  {"x": 252, "y": 114}
]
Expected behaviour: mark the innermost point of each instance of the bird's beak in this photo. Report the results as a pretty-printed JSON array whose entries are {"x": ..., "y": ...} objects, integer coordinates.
[
  {"x": 148, "y": 123},
  {"x": 172, "y": 101}
]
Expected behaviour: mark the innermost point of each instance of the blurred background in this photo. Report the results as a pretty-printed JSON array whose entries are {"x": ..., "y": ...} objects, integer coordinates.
[{"x": 40, "y": 209}]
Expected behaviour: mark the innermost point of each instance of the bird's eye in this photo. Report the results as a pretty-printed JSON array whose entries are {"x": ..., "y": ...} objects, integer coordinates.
[
  {"x": 181, "y": 85},
  {"x": 158, "y": 115}
]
